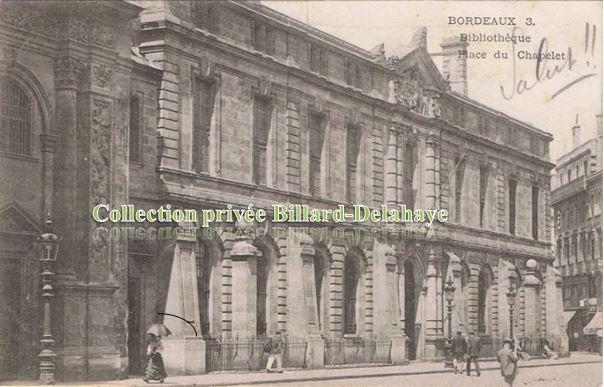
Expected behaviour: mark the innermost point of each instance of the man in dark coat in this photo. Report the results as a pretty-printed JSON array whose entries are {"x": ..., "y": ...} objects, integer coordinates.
[
  {"x": 274, "y": 347},
  {"x": 473, "y": 353},
  {"x": 508, "y": 359},
  {"x": 459, "y": 349}
]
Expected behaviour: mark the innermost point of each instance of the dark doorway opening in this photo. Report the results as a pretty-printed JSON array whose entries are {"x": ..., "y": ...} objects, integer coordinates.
[
  {"x": 10, "y": 318},
  {"x": 136, "y": 345},
  {"x": 410, "y": 310}
]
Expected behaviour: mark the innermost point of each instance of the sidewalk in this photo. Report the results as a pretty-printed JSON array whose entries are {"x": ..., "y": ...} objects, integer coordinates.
[{"x": 250, "y": 378}]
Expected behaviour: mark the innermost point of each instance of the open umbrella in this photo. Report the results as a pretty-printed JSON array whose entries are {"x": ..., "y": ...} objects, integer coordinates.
[{"x": 159, "y": 330}]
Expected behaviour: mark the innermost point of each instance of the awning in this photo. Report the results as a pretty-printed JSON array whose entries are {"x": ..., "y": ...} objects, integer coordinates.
[{"x": 594, "y": 327}]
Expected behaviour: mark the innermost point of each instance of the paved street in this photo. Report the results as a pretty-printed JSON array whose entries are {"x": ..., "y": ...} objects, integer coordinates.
[
  {"x": 579, "y": 370},
  {"x": 584, "y": 375}
]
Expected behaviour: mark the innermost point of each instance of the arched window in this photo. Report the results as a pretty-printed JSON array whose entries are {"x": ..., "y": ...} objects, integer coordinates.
[
  {"x": 351, "y": 282},
  {"x": 203, "y": 263},
  {"x": 484, "y": 299},
  {"x": 15, "y": 118}
]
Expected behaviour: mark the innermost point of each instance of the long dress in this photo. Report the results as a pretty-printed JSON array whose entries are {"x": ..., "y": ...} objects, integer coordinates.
[{"x": 155, "y": 367}]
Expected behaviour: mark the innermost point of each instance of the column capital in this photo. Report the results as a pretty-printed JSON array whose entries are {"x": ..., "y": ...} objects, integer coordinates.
[
  {"x": 243, "y": 249},
  {"x": 68, "y": 71}
]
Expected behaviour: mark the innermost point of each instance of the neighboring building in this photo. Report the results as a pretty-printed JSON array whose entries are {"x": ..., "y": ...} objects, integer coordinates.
[
  {"x": 200, "y": 104},
  {"x": 577, "y": 203}
]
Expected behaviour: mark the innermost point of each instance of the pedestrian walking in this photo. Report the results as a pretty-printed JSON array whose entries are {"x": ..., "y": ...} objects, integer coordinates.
[
  {"x": 459, "y": 349},
  {"x": 508, "y": 359},
  {"x": 473, "y": 353},
  {"x": 274, "y": 347},
  {"x": 155, "y": 369}
]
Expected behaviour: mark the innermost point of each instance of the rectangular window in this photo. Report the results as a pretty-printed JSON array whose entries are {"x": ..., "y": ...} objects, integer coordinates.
[
  {"x": 204, "y": 95},
  {"x": 318, "y": 60},
  {"x": 262, "y": 124},
  {"x": 353, "y": 75},
  {"x": 316, "y": 133},
  {"x": 408, "y": 172},
  {"x": 263, "y": 38},
  {"x": 484, "y": 181},
  {"x": 352, "y": 154},
  {"x": 535, "y": 211},
  {"x": 512, "y": 206},
  {"x": 585, "y": 168},
  {"x": 459, "y": 176},
  {"x": 135, "y": 135}
]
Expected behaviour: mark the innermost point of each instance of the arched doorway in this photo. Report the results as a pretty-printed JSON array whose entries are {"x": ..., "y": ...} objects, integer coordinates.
[
  {"x": 351, "y": 285},
  {"x": 485, "y": 281},
  {"x": 410, "y": 309},
  {"x": 266, "y": 287}
]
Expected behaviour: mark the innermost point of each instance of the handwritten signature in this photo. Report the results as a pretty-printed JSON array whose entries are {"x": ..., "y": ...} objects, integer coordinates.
[{"x": 545, "y": 70}]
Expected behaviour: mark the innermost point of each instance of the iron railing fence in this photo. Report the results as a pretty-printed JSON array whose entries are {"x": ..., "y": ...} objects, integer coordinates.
[
  {"x": 248, "y": 354},
  {"x": 357, "y": 350}
]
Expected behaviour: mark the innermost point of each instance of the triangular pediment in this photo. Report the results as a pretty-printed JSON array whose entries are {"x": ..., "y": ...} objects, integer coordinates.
[
  {"x": 418, "y": 64},
  {"x": 15, "y": 220}
]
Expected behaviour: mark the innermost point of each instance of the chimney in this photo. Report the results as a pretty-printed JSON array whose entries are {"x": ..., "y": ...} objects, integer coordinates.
[
  {"x": 455, "y": 66},
  {"x": 576, "y": 133}
]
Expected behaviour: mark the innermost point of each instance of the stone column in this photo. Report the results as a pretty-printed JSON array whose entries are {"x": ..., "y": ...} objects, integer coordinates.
[
  {"x": 431, "y": 174},
  {"x": 48, "y": 143},
  {"x": 244, "y": 258},
  {"x": 454, "y": 272},
  {"x": 532, "y": 301},
  {"x": 315, "y": 354},
  {"x": 555, "y": 323},
  {"x": 67, "y": 73},
  {"x": 390, "y": 167},
  {"x": 434, "y": 302},
  {"x": 398, "y": 346},
  {"x": 400, "y": 173},
  {"x": 185, "y": 349}
]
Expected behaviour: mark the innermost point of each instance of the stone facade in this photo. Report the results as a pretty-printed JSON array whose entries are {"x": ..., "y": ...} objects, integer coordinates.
[
  {"x": 166, "y": 111},
  {"x": 577, "y": 204}
]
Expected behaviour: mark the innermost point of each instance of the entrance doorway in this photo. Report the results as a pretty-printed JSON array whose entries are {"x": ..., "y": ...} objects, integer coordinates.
[
  {"x": 410, "y": 310},
  {"x": 136, "y": 329},
  {"x": 10, "y": 318}
]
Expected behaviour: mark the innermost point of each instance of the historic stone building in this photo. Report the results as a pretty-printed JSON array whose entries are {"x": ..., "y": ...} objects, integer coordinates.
[
  {"x": 577, "y": 202},
  {"x": 201, "y": 104}
]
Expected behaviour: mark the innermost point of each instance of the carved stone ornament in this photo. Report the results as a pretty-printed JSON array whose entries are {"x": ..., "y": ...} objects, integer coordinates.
[
  {"x": 69, "y": 67},
  {"x": 82, "y": 30},
  {"x": 10, "y": 56},
  {"x": 102, "y": 75},
  {"x": 410, "y": 91},
  {"x": 264, "y": 87},
  {"x": 207, "y": 69}
]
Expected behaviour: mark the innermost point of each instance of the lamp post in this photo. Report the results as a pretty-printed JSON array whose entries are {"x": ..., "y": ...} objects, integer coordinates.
[
  {"x": 511, "y": 295},
  {"x": 49, "y": 247},
  {"x": 449, "y": 296}
]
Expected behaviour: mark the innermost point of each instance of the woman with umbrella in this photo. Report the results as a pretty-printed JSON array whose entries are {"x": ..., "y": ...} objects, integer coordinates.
[{"x": 155, "y": 369}]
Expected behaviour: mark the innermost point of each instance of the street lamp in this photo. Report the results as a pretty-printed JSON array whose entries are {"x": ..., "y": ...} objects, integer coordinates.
[
  {"x": 449, "y": 296},
  {"x": 511, "y": 295},
  {"x": 49, "y": 248}
]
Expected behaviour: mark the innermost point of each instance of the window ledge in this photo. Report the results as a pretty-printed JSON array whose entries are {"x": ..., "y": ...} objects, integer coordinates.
[{"x": 17, "y": 156}]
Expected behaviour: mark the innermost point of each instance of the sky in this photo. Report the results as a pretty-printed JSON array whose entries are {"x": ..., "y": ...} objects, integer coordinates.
[{"x": 563, "y": 25}]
